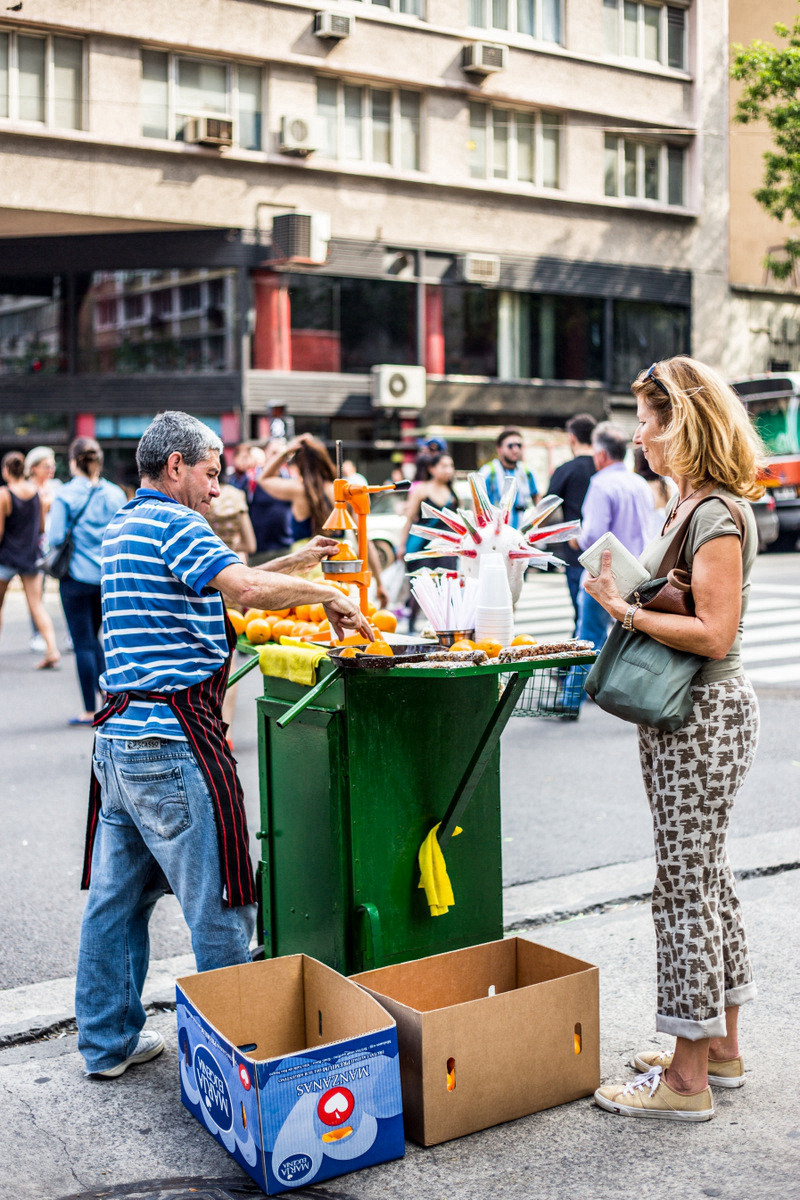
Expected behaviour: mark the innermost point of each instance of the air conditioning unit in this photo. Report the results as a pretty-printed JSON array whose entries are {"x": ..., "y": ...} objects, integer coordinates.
[
  {"x": 329, "y": 24},
  {"x": 209, "y": 131},
  {"x": 301, "y": 237},
  {"x": 398, "y": 387},
  {"x": 483, "y": 58},
  {"x": 300, "y": 135},
  {"x": 479, "y": 268}
]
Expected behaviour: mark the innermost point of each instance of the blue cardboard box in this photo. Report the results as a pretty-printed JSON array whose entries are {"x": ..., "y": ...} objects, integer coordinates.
[{"x": 292, "y": 1068}]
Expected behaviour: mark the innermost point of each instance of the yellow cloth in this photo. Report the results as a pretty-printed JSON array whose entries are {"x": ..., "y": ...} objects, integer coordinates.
[
  {"x": 433, "y": 873},
  {"x": 291, "y": 660}
]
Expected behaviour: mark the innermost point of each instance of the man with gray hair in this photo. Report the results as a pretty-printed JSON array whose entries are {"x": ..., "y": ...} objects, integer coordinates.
[
  {"x": 166, "y": 808},
  {"x": 619, "y": 502}
]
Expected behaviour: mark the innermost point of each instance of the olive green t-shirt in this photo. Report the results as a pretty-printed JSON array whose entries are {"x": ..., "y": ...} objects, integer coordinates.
[{"x": 711, "y": 521}]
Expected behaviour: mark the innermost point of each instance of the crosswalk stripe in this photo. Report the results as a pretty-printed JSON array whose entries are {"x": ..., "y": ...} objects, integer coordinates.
[
  {"x": 770, "y": 645},
  {"x": 790, "y": 673},
  {"x": 784, "y": 650}
]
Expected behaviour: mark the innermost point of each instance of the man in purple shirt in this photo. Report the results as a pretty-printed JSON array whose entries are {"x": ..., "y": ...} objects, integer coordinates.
[{"x": 617, "y": 501}]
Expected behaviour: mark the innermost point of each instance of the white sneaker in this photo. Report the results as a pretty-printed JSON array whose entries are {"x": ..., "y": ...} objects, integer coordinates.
[
  {"x": 37, "y": 644},
  {"x": 148, "y": 1046}
]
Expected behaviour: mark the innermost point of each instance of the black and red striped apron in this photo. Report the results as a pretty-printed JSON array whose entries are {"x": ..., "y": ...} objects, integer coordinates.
[{"x": 199, "y": 712}]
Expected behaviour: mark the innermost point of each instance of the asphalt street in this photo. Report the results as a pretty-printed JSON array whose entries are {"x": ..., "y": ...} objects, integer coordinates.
[{"x": 577, "y": 851}]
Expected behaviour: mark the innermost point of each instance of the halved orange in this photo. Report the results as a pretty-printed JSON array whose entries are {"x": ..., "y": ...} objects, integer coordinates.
[{"x": 379, "y": 647}]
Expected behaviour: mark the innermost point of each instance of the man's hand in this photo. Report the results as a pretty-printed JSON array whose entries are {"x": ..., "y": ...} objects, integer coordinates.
[
  {"x": 302, "y": 560},
  {"x": 314, "y": 551},
  {"x": 344, "y": 614}
]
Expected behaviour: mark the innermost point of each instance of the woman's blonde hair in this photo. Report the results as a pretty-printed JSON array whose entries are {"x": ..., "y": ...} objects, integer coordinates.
[{"x": 707, "y": 435}]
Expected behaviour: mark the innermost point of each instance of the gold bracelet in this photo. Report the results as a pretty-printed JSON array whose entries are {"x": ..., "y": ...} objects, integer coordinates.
[{"x": 627, "y": 620}]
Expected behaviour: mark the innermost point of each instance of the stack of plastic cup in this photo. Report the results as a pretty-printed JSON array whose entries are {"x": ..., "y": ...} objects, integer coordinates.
[{"x": 494, "y": 617}]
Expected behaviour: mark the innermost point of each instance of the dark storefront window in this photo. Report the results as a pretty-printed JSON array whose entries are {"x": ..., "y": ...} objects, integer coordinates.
[
  {"x": 351, "y": 325},
  {"x": 644, "y": 333},
  {"x": 181, "y": 322},
  {"x": 566, "y": 337},
  {"x": 470, "y": 331}
]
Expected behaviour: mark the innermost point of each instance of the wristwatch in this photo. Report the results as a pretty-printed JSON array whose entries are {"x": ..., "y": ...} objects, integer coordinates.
[{"x": 627, "y": 620}]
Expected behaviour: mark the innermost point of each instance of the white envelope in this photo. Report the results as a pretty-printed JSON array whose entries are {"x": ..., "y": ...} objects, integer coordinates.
[{"x": 628, "y": 572}]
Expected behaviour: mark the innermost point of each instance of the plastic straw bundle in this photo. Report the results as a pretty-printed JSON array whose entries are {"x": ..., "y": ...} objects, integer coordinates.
[{"x": 448, "y": 599}]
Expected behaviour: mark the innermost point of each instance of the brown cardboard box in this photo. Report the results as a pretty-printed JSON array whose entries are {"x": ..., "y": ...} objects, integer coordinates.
[{"x": 489, "y": 1034}]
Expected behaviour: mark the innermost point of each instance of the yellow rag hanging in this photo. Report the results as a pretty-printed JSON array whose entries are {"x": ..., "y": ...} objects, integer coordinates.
[
  {"x": 433, "y": 873},
  {"x": 294, "y": 661}
]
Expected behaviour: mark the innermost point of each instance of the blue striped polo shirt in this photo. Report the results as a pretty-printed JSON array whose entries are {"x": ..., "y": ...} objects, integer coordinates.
[{"x": 162, "y": 631}]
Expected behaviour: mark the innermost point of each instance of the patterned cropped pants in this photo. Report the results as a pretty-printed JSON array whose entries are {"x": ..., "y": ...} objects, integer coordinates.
[{"x": 691, "y": 778}]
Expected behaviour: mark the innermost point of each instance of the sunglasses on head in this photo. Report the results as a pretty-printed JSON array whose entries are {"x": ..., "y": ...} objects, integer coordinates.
[{"x": 651, "y": 374}]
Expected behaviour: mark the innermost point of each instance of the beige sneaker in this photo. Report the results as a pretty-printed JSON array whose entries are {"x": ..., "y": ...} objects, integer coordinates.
[
  {"x": 649, "y": 1096},
  {"x": 720, "y": 1074}
]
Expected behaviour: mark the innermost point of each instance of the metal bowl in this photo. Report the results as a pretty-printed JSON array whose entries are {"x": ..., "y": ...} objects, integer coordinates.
[
  {"x": 446, "y": 637},
  {"x": 332, "y": 566}
]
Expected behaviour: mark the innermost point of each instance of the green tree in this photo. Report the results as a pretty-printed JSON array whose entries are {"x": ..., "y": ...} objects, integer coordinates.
[{"x": 771, "y": 93}]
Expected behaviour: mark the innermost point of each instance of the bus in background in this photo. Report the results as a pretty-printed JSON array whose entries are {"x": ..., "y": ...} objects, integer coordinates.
[{"x": 773, "y": 402}]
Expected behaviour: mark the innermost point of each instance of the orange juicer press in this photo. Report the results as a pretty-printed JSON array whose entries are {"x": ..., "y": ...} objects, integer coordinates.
[{"x": 342, "y": 568}]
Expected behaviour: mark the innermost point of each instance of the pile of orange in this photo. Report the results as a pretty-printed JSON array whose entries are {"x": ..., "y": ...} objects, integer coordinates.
[
  {"x": 303, "y": 621},
  {"x": 490, "y": 645}
]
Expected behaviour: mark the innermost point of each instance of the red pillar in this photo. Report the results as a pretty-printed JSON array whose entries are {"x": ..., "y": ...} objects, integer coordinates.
[
  {"x": 434, "y": 331},
  {"x": 272, "y": 338}
]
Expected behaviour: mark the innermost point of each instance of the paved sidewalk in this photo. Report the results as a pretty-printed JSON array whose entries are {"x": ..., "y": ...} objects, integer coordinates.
[{"x": 67, "y": 1136}]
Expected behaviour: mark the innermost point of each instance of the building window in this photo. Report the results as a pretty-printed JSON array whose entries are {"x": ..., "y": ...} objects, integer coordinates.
[
  {"x": 521, "y": 147},
  {"x": 645, "y": 333},
  {"x": 371, "y": 125},
  {"x": 351, "y": 325},
  {"x": 469, "y": 318},
  {"x": 645, "y": 170},
  {"x": 412, "y": 8},
  {"x": 175, "y": 89},
  {"x": 540, "y": 19},
  {"x": 654, "y": 32},
  {"x": 550, "y": 337},
  {"x": 41, "y": 80}
]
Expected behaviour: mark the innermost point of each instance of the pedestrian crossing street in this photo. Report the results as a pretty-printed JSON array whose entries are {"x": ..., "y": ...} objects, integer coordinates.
[{"x": 770, "y": 643}]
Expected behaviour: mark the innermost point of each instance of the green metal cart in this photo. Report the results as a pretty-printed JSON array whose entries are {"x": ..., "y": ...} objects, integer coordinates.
[{"x": 354, "y": 774}]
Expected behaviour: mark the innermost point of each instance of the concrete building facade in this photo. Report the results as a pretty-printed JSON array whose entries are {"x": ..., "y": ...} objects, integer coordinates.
[{"x": 522, "y": 197}]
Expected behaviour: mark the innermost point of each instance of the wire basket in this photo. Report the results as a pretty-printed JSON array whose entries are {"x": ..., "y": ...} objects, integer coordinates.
[{"x": 553, "y": 692}]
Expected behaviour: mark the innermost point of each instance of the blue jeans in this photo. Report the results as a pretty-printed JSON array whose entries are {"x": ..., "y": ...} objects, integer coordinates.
[
  {"x": 156, "y": 831},
  {"x": 593, "y": 626},
  {"x": 573, "y": 575},
  {"x": 81, "y": 605}
]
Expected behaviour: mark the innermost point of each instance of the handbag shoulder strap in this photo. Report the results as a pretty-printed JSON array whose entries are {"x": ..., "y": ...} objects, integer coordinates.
[
  {"x": 675, "y": 551},
  {"x": 84, "y": 506}
]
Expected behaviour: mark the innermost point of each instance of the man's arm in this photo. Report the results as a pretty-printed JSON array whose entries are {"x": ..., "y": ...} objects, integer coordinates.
[
  {"x": 308, "y": 556},
  {"x": 255, "y": 588}
]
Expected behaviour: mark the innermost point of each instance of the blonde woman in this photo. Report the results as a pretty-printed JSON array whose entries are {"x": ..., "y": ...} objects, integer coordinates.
[{"x": 694, "y": 429}]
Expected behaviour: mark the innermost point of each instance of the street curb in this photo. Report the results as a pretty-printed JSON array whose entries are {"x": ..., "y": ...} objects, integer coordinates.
[
  {"x": 547, "y": 900},
  {"x": 45, "y": 1009}
]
